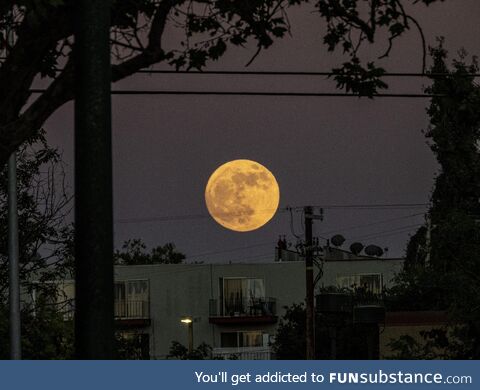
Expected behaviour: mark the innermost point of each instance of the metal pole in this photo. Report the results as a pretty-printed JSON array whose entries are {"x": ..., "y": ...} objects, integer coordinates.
[
  {"x": 94, "y": 315},
  {"x": 190, "y": 337},
  {"x": 310, "y": 310},
  {"x": 13, "y": 252},
  {"x": 13, "y": 261}
]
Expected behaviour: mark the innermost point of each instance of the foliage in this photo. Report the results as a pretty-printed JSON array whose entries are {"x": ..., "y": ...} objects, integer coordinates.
[
  {"x": 290, "y": 336},
  {"x": 437, "y": 343},
  {"x": 134, "y": 253},
  {"x": 131, "y": 346},
  {"x": 206, "y": 29},
  {"x": 336, "y": 335},
  {"x": 45, "y": 333},
  {"x": 180, "y": 352},
  {"x": 442, "y": 272},
  {"x": 45, "y": 237},
  {"x": 45, "y": 250}
]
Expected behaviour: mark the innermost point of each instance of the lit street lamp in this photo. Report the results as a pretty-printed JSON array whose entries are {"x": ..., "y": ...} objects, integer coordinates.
[{"x": 189, "y": 322}]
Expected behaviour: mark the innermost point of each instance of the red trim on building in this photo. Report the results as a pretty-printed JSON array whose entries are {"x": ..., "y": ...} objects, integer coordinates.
[
  {"x": 132, "y": 322},
  {"x": 242, "y": 320},
  {"x": 411, "y": 318}
]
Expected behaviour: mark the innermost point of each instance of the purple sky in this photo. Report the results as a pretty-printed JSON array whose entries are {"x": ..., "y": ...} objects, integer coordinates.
[{"x": 323, "y": 151}]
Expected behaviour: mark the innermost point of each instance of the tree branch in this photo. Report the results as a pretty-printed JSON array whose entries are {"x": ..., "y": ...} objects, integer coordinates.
[{"x": 60, "y": 91}]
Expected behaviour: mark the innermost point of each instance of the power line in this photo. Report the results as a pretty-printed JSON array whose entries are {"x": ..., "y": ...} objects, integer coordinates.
[
  {"x": 407, "y": 230},
  {"x": 341, "y": 230},
  {"x": 265, "y": 243},
  {"x": 189, "y": 217},
  {"x": 290, "y": 73},
  {"x": 281, "y": 73},
  {"x": 385, "y": 206},
  {"x": 401, "y": 229},
  {"x": 229, "y": 250},
  {"x": 152, "y": 92},
  {"x": 184, "y": 217}
]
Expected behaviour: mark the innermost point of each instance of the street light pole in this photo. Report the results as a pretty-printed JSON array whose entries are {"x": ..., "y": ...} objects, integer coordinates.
[
  {"x": 13, "y": 252},
  {"x": 190, "y": 337},
  {"x": 13, "y": 261},
  {"x": 189, "y": 322}
]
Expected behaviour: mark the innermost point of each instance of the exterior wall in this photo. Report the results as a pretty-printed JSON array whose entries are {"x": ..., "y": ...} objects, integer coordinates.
[
  {"x": 409, "y": 324},
  {"x": 185, "y": 290},
  {"x": 387, "y": 267}
]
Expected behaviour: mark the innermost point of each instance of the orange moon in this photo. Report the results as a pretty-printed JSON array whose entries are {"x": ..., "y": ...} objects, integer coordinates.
[{"x": 242, "y": 195}]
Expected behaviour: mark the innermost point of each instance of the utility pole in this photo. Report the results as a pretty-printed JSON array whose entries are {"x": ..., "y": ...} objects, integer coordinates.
[
  {"x": 310, "y": 309},
  {"x": 94, "y": 315},
  {"x": 13, "y": 252}
]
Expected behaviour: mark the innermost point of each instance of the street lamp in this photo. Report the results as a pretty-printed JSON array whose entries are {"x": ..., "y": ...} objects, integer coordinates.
[{"x": 189, "y": 322}]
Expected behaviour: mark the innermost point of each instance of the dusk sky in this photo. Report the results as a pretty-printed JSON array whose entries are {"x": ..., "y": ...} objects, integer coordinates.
[{"x": 322, "y": 150}]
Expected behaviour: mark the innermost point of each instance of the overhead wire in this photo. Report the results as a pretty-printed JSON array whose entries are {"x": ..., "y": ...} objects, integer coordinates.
[
  {"x": 341, "y": 230},
  {"x": 382, "y": 233},
  {"x": 188, "y": 217},
  {"x": 213, "y": 253},
  {"x": 255, "y": 93}
]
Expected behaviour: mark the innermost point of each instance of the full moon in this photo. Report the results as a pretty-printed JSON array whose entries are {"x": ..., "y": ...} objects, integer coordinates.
[{"x": 242, "y": 195}]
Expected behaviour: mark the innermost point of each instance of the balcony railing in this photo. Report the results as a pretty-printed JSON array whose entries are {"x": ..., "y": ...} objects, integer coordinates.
[
  {"x": 250, "y": 307},
  {"x": 243, "y": 353},
  {"x": 132, "y": 309}
]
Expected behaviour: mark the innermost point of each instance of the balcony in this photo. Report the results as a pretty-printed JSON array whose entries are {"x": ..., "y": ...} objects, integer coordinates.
[
  {"x": 288, "y": 255},
  {"x": 243, "y": 353},
  {"x": 130, "y": 313},
  {"x": 243, "y": 311}
]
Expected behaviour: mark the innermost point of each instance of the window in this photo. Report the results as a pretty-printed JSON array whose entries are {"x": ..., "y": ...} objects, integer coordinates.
[
  {"x": 370, "y": 282},
  {"x": 238, "y": 294},
  {"x": 241, "y": 339},
  {"x": 131, "y": 299}
]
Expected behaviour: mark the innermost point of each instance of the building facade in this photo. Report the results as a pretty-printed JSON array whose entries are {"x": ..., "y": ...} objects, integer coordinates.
[{"x": 234, "y": 308}]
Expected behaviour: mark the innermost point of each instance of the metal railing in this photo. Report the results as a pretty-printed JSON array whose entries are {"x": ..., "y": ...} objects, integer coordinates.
[
  {"x": 288, "y": 255},
  {"x": 243, "y": 353},
  {"x": 127, "y": 309},
  {"x": 243, "y": 307}
]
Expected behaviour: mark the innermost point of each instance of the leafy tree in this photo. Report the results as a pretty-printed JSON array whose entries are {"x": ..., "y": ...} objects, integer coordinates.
[
  {"x": 180, "y": 352},
  {"x": 443, "y": 272},
  {"x": 45, "y": 236},
  {"x": 438, "y": 343},
  {"x": 45, "y": 333},
  {"x": 43, "y": 39},
  {"x": 290, "y": 336},
  {"x": 336, "y": 334},
  {"x": 45, "y": 249},
  {"x": 134, "y": 253},
  {"x": 131, "y": 346}
]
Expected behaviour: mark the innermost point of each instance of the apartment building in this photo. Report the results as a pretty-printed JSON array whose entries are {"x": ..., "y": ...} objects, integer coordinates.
[{"x": 234, "y": 308}]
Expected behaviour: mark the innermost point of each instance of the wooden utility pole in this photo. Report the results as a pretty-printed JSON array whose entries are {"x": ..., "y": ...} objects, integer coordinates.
[
  {"x": 310, "y": 307},
  {"x": 94, "y": 317}
]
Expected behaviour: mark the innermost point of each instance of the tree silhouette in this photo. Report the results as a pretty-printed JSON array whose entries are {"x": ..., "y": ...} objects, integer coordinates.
[
  {"x": 43, "y": 40},
  {"x": 442, "y": 271},
  {"x": 134, "y": 253}
]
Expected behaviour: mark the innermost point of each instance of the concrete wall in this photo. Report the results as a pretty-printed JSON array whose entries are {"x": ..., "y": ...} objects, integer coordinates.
[
  {"x": 387, "y": 267},
  {"x": 183, "y": 290},
  {"x": 179, "y": 290}
]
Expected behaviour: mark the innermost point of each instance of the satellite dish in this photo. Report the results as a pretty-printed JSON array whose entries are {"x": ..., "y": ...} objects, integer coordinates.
[
  {"x": 374, "y": 250},
  {"x": 356, "y": 248},
  {"x": 337, "y": 240}
]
